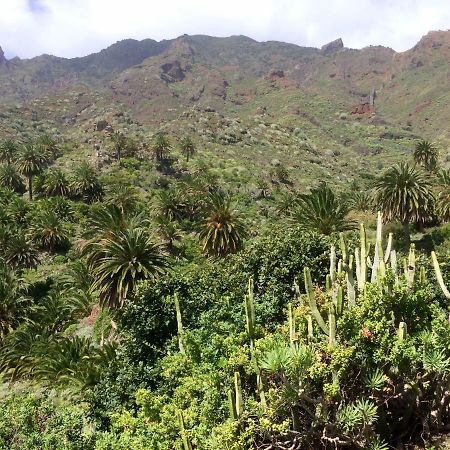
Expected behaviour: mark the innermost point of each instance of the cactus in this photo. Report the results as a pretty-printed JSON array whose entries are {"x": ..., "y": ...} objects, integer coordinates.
[
  {"x": 411, "y": 268},
  {"x": 402, "y": 331},
  {"x": 291, "y": 319},
  {"x": 351, "y": 294},
  {"x": 363, "y": 258},
  {"x": 184, "y": 437},
  {"x": 179, "y": 323},
  {"x": 332, "y": 325},
  {"x": 250, "y": 312},
  {"x": 439, "y": 277},
  {"x": 422, "y": 275},
  {"x": 333, "y": 264},
  {"x": 378, "y": 257},
  {"x": 394, "y": 265},
  {"x": 232, "y": 405},
  {"x": 238, "y": 393},
  {"x": 312, "y": 301}
]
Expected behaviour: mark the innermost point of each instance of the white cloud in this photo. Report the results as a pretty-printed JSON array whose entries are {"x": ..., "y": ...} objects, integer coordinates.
[{"x": 78, "y": 27}]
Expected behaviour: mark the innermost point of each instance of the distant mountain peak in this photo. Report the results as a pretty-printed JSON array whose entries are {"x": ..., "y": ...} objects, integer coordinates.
[
  {"x": 332, "y": 47},
  {"x": 2, "y": 57}
]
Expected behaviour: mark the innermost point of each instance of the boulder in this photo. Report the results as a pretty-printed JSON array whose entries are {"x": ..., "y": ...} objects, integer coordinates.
[
  {"x": 362, "y": 108},
  {"x": 332, "y": 47}
]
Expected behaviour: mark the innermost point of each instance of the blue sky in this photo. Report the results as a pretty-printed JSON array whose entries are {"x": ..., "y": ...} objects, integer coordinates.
[{"x": 78, "y": 27}]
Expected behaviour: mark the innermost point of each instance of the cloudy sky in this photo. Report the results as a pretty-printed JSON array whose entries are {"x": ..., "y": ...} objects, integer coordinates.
[{"x": 78, "y": 27}]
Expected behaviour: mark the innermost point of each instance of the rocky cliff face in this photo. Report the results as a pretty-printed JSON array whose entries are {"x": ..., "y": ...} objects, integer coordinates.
[{"x": 2, "y": 57}]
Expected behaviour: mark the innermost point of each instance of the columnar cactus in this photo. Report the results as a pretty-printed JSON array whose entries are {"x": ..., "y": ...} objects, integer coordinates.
[
  {"x": 439, "y": 277},
  {"x": 184, "y": 437},
  {"x": 179, "y": 323}
]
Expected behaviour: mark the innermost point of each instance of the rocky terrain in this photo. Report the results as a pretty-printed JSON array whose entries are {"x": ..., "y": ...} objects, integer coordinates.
[{"x": 304, "y": 106}]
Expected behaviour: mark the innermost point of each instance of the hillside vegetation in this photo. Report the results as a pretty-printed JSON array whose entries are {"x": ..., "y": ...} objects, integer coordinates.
[{"x": 220, "y": 244}]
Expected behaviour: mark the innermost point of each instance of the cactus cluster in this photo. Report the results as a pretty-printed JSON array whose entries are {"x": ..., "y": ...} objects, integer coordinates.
[{"x": 343, "y": 291}]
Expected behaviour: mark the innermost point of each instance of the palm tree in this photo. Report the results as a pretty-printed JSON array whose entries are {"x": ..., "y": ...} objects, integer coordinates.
[
  {"x": 121, "y": 259},
  {"x": 187, "y": 147},
  {"x": 161, "y": 146},
  {"x": 32, "y": 161},
  {"x": 8, "y": 151},
  {"x": 48, "y": 232},
  {"x": 124, "y": 197},
  {"x": 85, "y": 183},
  {"x": 404, "y": 193},
  {"x": 322, "y": 211},
  {"x": 55, "y": 183},
  {"x": 222, "y": 231},
  {"x": 426, "y": 154},
  {"x": 11, "y": 179},
  {"x": 120, "y": 141},
  {"x": 49, "y": 144},
  {"x": 20, "y": 252}
]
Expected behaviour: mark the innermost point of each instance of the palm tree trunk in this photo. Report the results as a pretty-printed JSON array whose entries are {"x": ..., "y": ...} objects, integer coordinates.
[
  {"x": 406, "y": 234},
  {"x": 30, "y": 187}
]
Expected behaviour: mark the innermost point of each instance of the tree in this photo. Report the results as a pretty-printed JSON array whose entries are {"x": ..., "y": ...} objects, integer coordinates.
[
  {"x": 48, "y": 231},
  {"x": 55, "y": 183},
  {"x": 11, "y": 179},
  {"x": 320, "y": 210},
  {"x": 120, "y": 142},
  {"x": 8, "y": 151},
  {"x": 121, "y": 259},
  {"x": 222, "y": 232},
  {"x": 20, "y": 252},
  {"x": 426, "y": 155},
  {"x": 404, "y": 193},
  {"x": 161, "y": 146},
  {"x": 85, "y": 183},
  {"x": 32, "y": 161},
  {"x": 126, "y": 198},
  {"x": 443, "y": 198},
  {"x": 50, "y": 146},
  {"x": 187, "y": 147}
]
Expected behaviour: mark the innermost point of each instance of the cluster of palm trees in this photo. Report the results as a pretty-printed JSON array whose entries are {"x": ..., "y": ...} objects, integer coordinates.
[{"x": 410, "y": 193}]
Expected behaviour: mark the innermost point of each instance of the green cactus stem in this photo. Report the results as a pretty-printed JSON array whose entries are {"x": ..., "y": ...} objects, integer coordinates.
[
  {"x": 422, "y": 275},
  {"x": 333, "y": 264},
  {"x": 184, "y": 437},
  {"x": 351, "y": 293},
  {"x": 411, "y": 269},
  {"x": 387, "y": 253},
  {"x": 439, "y": 277},
  {"x": 394, "y": 265},
  {"x": 378, "y": 248},
  {"x": 179, "y": 324},
  {"x": 232, "y": 405},
  {"x": 250, "y": 312},
  {"x": 238, "y": 392},
  {"x": 332, "y": 325},
  {"x": 362, "y": 277},
  {"x": 291, "y": 319},
  {"x": 402, "y": 331},
  {"x": 312, "y": 301}
]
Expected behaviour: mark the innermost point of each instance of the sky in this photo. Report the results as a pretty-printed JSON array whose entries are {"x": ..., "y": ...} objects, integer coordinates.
[{"x": 72, "y": 28}]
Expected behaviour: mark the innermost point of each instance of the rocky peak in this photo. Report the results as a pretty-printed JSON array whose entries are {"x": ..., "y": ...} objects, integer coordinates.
[
  {"x": 332, "y": 47},
  {"x": 2, "y": 57}
]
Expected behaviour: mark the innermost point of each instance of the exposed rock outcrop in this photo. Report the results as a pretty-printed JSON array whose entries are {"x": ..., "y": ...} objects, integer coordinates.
[
  {"x": 363, "y": 108},
  {"x": 332, "y": 47},
  {"x": 172, "y": 72}
]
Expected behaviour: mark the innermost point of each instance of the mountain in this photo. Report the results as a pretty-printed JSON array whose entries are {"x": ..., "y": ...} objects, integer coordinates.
[{"x": 340, "y": 100}]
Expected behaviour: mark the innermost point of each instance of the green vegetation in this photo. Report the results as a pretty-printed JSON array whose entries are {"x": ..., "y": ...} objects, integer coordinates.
[{"x": 167, "y": 302}]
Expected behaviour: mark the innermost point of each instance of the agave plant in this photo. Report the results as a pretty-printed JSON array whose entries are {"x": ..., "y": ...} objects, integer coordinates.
[
  {"x": 222, "y": 232},
  {"x": 322, "y": 211}
]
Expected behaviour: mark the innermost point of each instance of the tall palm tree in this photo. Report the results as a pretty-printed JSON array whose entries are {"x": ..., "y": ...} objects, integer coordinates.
[
  {"x": 222, "y": 231},
  {"x": 8, "y": 151},
  {"x": 11, "y": 179},
  {"x": 120, "y": 142},
  {"x": 426, "y": 154},
  {"x": 320, "y": 210},
  {"x": 121, "y": 259},
  {"x": 443, "y": 197},
  {"x": 126, "y": 198},
  {"x": 85, "y": 183},
  {"x": 404, "y": 193},
  {"x": 161, "y": 146},
  {"x": 32, "y": 161},
  {"x": 187, "y": 147}
]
